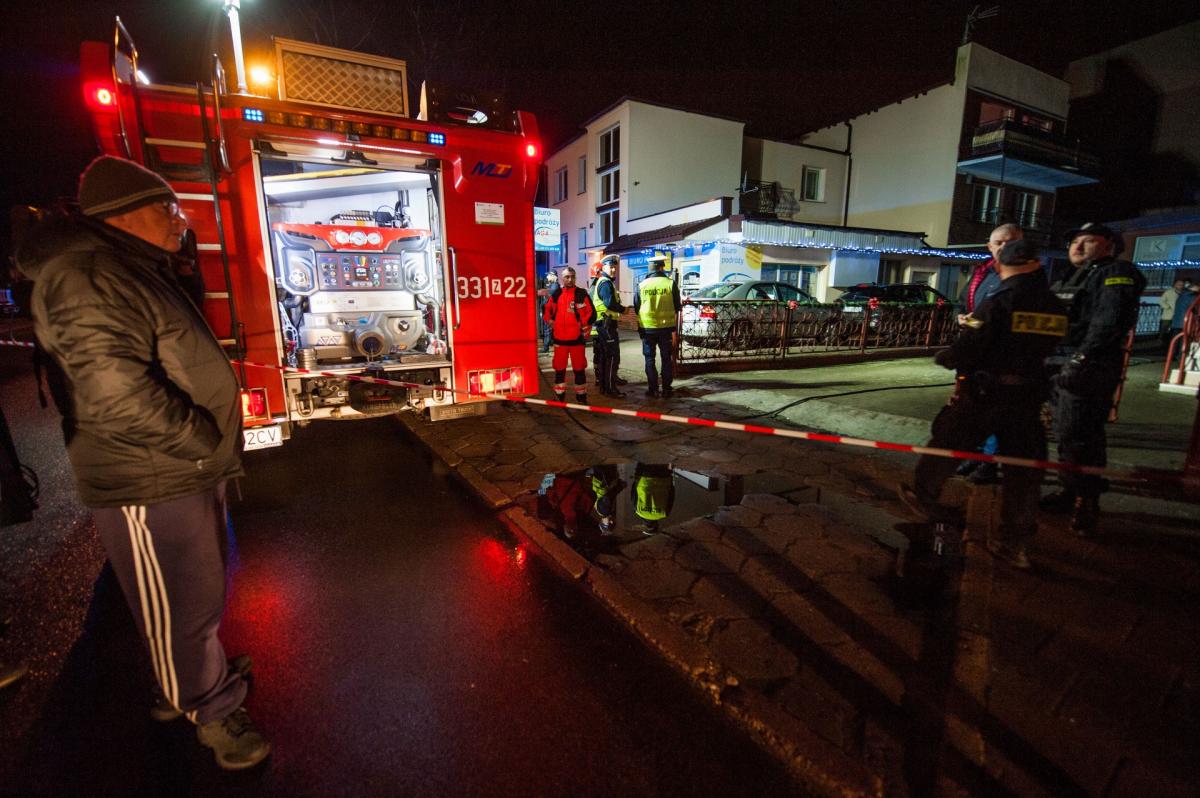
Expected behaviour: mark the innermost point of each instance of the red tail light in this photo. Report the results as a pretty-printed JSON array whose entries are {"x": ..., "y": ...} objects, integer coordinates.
[
  {"x": 708, "y": 312},
  {"x": 254, "y": 404},
  {"x": 531, "y": 150},
  {"x": 100, "y": 96}
]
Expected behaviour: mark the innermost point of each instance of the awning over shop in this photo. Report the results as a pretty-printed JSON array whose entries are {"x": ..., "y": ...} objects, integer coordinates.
[
  {"x": 1024, "y": 174},
  {"x": 861, "y": 239},
  {"x": 662, "y": 236}
]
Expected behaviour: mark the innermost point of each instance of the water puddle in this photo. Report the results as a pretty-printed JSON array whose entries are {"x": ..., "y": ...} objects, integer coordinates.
[{"x": 600, "y": 508}]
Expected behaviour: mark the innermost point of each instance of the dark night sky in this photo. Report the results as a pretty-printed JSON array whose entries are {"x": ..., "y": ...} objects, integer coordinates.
[{"x": 784, "y": 67}]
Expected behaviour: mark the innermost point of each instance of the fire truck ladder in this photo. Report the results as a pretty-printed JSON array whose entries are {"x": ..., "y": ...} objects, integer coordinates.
[{"x": 211, "y": 168}]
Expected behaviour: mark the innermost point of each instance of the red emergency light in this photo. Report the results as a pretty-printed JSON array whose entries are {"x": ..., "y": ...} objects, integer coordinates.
[{"x": 531, "y": 149}]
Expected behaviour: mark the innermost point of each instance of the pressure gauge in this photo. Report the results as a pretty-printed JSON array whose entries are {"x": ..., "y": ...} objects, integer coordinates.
[
  {"x": 358, "y": 238},
  {"x": 374, "y": 239},
  {"x": 342, "y": 237}
]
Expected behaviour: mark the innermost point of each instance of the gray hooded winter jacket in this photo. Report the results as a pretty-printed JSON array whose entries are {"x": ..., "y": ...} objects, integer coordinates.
[{"x": 153, "y": 406}]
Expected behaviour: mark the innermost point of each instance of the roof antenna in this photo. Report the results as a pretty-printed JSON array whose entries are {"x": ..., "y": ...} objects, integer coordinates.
[{"x": 978, "y": 13}]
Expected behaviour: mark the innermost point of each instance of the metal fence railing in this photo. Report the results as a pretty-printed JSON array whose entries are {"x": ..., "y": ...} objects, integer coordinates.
[{"x": 713, "y": 330}]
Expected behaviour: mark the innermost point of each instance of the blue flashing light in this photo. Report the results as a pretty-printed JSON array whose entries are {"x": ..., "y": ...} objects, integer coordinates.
[
  {"x": 438, "y": 139},
  {"x": 252, "y": 114}
]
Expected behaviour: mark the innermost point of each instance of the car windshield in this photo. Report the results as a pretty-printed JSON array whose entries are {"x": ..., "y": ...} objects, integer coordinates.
[{"x": 715, "y": 291}]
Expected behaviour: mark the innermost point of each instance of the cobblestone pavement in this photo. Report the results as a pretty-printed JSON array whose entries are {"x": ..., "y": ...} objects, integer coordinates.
[{"x": 868, "y": 663}]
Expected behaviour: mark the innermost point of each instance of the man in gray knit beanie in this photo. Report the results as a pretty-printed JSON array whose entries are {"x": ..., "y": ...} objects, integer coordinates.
[{"x": 152, "y": 418}]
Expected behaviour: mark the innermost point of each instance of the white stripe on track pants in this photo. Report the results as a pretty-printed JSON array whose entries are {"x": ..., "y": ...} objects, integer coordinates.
[{"x": 170, "y": 560}]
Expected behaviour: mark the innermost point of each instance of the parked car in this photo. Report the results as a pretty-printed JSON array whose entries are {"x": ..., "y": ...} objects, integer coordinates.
[
  {"x": 711, "y": 318},
  {"x": 854, "y": 297}
]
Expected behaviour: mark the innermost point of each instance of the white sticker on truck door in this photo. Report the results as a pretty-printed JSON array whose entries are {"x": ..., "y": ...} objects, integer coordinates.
[{"x": 489, "y": 213}]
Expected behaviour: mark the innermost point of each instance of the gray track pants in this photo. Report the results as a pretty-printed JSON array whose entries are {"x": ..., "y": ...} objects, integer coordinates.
[{"x": 170, "y": 561}]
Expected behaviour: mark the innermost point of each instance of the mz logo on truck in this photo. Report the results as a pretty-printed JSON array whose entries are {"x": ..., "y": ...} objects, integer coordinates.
[{"x": 492, "y": 169}]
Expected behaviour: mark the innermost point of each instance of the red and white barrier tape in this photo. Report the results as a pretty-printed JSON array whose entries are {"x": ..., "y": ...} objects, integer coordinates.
[
  {"x": 779, "y": 432},
  {"x": 1053, "y": 465}
]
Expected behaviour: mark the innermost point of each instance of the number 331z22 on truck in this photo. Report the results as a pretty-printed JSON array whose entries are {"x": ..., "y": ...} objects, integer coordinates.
[{"x": 337, "y": 236}]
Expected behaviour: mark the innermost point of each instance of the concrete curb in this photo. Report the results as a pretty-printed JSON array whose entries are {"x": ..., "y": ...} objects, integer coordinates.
[{"x": 815, "y": 763}]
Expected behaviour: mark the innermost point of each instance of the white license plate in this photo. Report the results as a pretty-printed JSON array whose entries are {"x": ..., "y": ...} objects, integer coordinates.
[{"x": 262, "y": 437}]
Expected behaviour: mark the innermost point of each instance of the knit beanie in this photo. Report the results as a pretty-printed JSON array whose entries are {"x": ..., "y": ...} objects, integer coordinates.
[{"x": 111, "y": 186}]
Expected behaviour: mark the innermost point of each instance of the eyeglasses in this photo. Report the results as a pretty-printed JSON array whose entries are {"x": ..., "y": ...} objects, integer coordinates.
[{"x": 172, "y": 210}]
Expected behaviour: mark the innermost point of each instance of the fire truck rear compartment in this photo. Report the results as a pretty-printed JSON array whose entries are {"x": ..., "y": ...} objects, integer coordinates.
[{"x": 358, "y": 274}]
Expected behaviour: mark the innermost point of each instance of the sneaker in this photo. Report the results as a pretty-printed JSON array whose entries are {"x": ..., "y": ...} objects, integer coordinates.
[
  {"x": 164, "y": 711},
  {"x": 1011, "y": 553},
  {"x": 235, "y": 742},
  {"x": 1058, "y": 503},
  {"x": 985, "y": 474}
]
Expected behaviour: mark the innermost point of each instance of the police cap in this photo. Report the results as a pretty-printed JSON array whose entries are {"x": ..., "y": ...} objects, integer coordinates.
[
  {"x": 1018, "y": 253},
  {"x": 1094, "y": 229},
  {"x": 615, "y": 260},
  {"x": 658, "y": 258}
]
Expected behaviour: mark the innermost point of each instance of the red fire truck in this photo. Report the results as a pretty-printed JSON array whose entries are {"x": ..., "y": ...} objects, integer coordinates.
[{"x": 337, "y": 234}]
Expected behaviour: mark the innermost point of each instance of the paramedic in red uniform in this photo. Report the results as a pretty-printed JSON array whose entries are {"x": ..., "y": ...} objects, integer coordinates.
[{"x": 570, "y": 314}]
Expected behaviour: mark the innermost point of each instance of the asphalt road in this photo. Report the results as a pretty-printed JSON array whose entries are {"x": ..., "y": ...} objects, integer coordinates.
[{"x": 404, "y": 644}]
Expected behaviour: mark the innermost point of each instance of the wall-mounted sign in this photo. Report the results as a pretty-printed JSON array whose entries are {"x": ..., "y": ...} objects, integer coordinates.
[{"x": 546, "y": 224}]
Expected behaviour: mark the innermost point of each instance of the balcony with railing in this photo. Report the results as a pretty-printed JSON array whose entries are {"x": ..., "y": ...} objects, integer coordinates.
[
  {"x": 1009, "y": 152},
  {"x": 761, "y": 200},
  {"x": 974, "y": 226}
]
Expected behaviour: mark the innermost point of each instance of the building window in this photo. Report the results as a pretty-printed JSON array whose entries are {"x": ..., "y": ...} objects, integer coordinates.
[
  {"x": 610, "y": 147},
  {"x": 796, "y": 276},
  {"x": 994, "y": 112},
  {"x": 986, "y": 207},
  {"x": 582, "y": 177},
  {"x": 560, "y": 185},
  {"x": 608, "y": 226},
  {"x": 890, "y": 271},
  {"x": 562, "y": 249},
  {"x": 610, "y": 185},
  {"x": 813, "y": 180},
  {"x": 582, "y": 245},
  {"x": 1027, "y": 209}
]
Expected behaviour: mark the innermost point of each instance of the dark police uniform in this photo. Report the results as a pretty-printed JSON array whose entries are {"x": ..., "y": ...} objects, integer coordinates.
[
  {"x": 1104, "y": 300},
  {"x": 606, "y": 344},
  {"x": 999, "y": 359}
]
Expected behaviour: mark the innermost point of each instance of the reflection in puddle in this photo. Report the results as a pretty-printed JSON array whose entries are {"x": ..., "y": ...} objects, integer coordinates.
[{"x": 600, "y": 508}]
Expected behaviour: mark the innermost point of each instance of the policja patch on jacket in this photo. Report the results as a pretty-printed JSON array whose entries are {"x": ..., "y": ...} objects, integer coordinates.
[{"x": 1039, "y": 323}]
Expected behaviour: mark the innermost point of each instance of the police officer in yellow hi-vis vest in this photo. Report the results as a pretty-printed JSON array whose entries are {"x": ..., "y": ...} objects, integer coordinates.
[
  {"x": 657, "y": 304},
  {"x": 606, "y": 345},
  {"x": 653, "y": 495}
]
